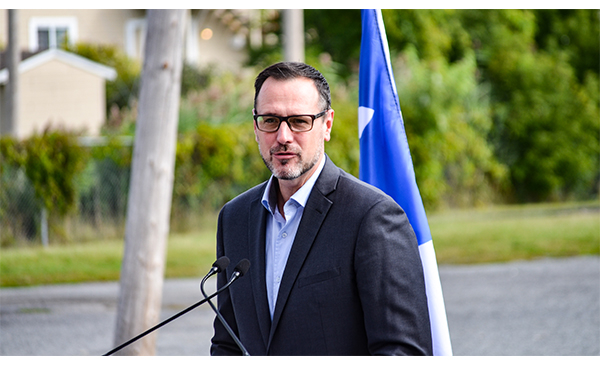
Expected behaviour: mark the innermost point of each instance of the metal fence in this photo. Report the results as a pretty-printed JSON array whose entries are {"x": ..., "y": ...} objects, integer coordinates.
[{"x": 100, "y": 211}]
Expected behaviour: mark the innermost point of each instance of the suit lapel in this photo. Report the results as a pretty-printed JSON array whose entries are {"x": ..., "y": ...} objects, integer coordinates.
[
  {"x": 314, "y": 214},
  {"x": 256, "y": 236}
]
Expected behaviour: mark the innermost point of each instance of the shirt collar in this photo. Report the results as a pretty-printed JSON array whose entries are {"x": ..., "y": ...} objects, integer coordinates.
[{"x": 269, "y": 199}]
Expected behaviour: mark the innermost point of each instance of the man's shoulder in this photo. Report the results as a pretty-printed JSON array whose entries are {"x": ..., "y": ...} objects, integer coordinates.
[
  {"x": 352, "y": 185},
  {"x": 343, "y": 187}
]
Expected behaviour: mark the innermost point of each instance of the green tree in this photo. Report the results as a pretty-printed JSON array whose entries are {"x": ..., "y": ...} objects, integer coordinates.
[
  {"x": 433, "y": 33},
  {"x": 545, "y": 121},
  {"x": 574, "y": 32},
  {"x": 447, "y": 120}
]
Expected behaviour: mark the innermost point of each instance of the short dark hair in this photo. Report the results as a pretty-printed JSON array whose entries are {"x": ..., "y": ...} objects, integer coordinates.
[{"x": 292, "y": 70}]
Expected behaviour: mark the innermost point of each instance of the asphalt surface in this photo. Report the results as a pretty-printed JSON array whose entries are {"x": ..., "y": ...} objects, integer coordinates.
[{"x": 541, "y": 307}]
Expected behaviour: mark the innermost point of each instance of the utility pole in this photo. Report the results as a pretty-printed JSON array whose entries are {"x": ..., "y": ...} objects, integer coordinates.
[
  {"x": 11, "y": 117},
  {"x": 293, "y": 34},
  {"x": 151, "y": 186}
]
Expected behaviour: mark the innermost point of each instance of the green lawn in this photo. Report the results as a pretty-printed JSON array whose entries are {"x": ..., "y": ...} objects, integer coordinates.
[
  {"x": 516, "y": 232},
  {"x": 459, "y": 236}
]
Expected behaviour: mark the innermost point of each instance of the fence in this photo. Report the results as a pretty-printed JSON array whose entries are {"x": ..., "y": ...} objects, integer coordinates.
[
  {"x": 213, "y": 165},
  {"x": 100, "y": 211}
]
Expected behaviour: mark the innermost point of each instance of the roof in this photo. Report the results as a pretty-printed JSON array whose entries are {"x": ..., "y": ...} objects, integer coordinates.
[{"x": 72, "y": 59}]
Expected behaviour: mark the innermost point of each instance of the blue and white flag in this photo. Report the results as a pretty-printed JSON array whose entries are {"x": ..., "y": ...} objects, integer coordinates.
[{"x": 385, "y": 160}]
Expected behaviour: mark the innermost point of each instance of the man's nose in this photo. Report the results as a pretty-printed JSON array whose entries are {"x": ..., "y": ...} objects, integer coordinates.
[{"x": 284, "y": 134}]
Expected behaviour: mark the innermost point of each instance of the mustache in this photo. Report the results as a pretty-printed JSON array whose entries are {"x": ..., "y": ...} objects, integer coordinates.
[{"x": 283, "y": 148}]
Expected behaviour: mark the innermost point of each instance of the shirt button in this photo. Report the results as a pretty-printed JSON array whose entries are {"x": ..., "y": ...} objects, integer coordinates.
[{"x": 284, "y": 235}]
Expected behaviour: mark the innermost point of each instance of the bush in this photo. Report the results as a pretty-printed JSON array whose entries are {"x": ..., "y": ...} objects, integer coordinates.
[
  {"x": 50, "y": 162},
  {"x": 213, "y": 165},
  {"x": 447, "y": 121}
]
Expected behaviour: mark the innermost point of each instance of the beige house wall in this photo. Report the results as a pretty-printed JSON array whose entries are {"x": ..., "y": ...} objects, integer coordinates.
[
  {"x": 103, "y": 26},
  {"x": 78, "y": 106},
  {"x": 123, "y": 28}
]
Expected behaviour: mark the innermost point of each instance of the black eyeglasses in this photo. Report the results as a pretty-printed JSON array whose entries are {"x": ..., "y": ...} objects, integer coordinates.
[{"x": 297, "y": 123}]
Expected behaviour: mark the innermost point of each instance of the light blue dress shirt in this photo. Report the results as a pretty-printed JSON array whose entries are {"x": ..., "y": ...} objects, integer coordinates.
[{"x": 282, "y": 231}]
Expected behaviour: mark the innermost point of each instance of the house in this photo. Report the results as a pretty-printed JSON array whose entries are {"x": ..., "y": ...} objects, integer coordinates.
[
  {"x": 58, "y": 90},
  {"x": 212, "y": 36},
  {"x": 61, "y": 89}
]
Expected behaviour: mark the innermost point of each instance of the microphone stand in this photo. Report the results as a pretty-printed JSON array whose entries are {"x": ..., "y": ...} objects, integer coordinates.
[
  {"x": 223, "y": 321},
  {"x": 235, "y": 275}
]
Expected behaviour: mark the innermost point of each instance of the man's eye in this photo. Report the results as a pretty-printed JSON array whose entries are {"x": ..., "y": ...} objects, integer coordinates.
[
  {"x": 299, "y": 121},
  {"x": 270, "y": 120}
]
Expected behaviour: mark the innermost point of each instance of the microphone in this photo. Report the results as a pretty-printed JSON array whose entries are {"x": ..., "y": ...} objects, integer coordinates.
[
  {"x": 218, "y": 265},
  {"x": 239, "y": 271}
]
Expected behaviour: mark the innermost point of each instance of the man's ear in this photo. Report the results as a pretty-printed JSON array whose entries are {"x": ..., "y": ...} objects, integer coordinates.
[
  {"x": 328, "y": 124},
  {"x": 254, "y": 125}
]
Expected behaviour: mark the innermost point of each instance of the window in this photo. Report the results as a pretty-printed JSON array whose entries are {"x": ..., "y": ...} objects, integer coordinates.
[
  {"x": 135, "y": 34},
  {"x": 51, "y": 32}
]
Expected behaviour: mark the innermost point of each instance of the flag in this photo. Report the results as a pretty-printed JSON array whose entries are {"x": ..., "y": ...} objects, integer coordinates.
[{"x": 385, "y": 160}]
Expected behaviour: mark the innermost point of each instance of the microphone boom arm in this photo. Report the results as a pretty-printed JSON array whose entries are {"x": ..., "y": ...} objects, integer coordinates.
[
  {"x": 206, "y": 299},
  {"x": 223, "y": 321}
]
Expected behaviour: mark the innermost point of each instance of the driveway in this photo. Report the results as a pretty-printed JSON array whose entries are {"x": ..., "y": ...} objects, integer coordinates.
[{"x": 540, "y": 307}]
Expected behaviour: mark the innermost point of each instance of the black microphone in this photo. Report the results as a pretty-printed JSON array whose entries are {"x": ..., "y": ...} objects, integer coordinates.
[
  {"x": 239, "y": 271},
  {"x": 218, "y": 265}
]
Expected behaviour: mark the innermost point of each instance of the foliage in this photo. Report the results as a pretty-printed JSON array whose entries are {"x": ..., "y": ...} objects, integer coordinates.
[
  {"x": 19, "y": 208},
  {"x": 546, "y": 129},
  {"x": 498, "y": 105},
  {"x": 447, "y": 120},
  {"x": 538, "y": 71},
  {"x": 103, "y": 186},
  {"x": 484, "y": 121},
  {"x": 193, "y": 78},
  {"x": 213, "y": 165},
  {"x": 56, "y": 172},
  {"x": 434, "y": 34},
  {"x": 337, "y": 38},
  {"x": 50, "y": 161},
  {"x": 226, "y": 99},
  {"x": 571, "y": 32}
]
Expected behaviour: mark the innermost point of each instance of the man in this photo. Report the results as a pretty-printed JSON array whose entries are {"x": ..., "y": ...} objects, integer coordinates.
[{"x": 335, "y": 268}]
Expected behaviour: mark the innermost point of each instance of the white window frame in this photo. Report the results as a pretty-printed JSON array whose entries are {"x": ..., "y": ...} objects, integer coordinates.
[
  {"x": 133, "y": 45},
  {"x": 52, "y": 23}
]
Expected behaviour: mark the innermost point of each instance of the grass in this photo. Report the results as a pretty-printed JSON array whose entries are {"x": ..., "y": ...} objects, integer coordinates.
[
  {"x": 516, "y": 232},
  {"x": 493, "y": 234},
  {"x": 188, "y": 255}
]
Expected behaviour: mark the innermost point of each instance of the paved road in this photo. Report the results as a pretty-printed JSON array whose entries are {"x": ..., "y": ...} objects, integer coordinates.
[{"x": 541, "y": 307}]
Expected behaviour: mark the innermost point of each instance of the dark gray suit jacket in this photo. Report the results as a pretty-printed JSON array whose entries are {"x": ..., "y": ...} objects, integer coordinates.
[{"x": 353, "y": 284}]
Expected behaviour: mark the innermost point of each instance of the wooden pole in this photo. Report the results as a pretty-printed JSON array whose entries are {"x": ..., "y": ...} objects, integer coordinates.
[
  {"x": 10, "y": 119},
  {"x": 151, "y": 184},
  {"x": 293, "y": 35}
]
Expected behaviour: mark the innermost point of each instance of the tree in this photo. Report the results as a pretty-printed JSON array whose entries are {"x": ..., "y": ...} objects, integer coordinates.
[
  {"x": 546, "y": 126},
  {"x": 151, "y": 187}
]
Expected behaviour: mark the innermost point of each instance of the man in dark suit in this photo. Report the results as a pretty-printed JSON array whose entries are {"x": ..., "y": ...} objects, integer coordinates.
[{"x": 335, "y": 267}]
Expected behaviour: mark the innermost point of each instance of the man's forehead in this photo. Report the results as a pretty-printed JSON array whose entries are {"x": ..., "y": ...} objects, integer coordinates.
[
  {"x": 295, "y": 80},
  {"x": 299, "y": 87}
]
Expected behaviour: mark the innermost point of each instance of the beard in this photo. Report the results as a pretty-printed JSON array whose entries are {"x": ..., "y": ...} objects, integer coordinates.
[{"x": 293, "y": 168}]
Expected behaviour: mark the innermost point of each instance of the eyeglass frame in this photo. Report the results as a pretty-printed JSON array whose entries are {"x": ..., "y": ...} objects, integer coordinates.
[{"x": 285, "y": 119}]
